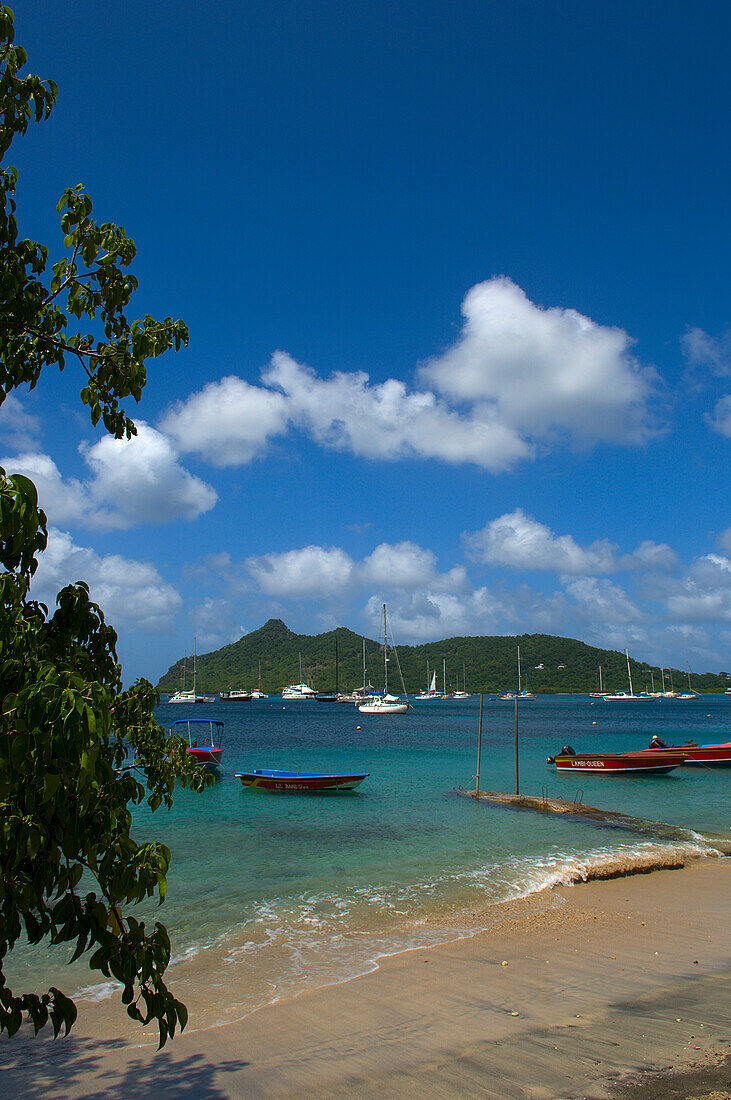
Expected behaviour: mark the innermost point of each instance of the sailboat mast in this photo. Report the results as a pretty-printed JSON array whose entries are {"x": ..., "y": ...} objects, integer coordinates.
[
  {"x": 444, "y": 675},
  {"x": 629, "y": 673},
  {"x": 519, "y": 685},
  {"x": 195, "y": 661},
  {"x": 385, "y": 654},
  {"x": 337, "y": 670},
  {"x": 364, "y": 674}
]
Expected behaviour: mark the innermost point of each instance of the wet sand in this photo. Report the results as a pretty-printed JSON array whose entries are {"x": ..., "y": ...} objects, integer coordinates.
[{"x": 607, "y": 989}]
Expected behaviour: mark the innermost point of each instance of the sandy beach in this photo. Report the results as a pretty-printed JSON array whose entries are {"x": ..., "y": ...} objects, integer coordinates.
[{"x": 599, "y": 990}]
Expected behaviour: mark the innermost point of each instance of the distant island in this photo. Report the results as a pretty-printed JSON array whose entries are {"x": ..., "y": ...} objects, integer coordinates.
[{"x": 487, "y": 664}]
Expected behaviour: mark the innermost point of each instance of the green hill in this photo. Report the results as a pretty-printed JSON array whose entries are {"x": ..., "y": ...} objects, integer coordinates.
[{"x": 549, "y": 663}]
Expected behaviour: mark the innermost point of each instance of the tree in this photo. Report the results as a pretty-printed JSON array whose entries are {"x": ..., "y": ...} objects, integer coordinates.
[{"x": 76, "y": 749}]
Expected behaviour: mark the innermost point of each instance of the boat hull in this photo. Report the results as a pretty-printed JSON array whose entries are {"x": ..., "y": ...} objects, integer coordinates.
[
  {"x": 697, "y": 756},
  {"x": 208, "y": 756},
  {"x": 621, "y": 763},
  {"x": 383, "y": 708},
  {"x": 266, "y": 780}
]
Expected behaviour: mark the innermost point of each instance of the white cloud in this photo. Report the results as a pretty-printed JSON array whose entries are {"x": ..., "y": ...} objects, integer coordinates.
[
  {"x": 519, "y": 541},
  {"x": 131, "y": 593},
  {"x": 406, "y": 565},
  {"x": 653, "y": 555},
  {"x": 518, "y": 376},
  {"x": 215, "y": 623},
  {"x": 140, "y": 480},
  {"x": 423, "y": 616},
  {"x": 704, "y": 593},
  {"x": 543, "y": 370},
  {"x": 136, "y": 480},
  {"x": 62, "y": 501},
  {"x": 227, "y": 422},
  {"x": 602, "y": 601},
  {"x": 720, "y": 419},
  {"x": 19, "y": 430},
  {"x": 319, "y": 571},
  {"x": 385, "y": 421},
  {"x": 311, "y": 571},
  {"x": 710, "y": 352}
]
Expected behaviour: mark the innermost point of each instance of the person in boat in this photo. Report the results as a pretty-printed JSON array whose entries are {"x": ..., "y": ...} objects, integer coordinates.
[
  {"x": 565, "y": 751},
  {"x": 658, "y": 743}
]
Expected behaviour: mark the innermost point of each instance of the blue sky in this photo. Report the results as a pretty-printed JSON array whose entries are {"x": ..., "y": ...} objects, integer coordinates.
[{"x": 456, "y": 278}]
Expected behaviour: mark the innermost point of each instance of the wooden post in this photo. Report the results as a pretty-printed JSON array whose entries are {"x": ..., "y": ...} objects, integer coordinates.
[
  {"x": 479, "y": 752},
  {"x": 517, "y": 785}
]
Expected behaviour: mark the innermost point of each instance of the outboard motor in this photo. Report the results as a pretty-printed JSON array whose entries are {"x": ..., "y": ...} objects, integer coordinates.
[
  {"x": 658, "y": 743},
  {"x": 565, "y": 751}
]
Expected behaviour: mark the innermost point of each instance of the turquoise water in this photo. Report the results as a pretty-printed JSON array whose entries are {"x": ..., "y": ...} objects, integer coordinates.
[{"x": 285, "y": 891}]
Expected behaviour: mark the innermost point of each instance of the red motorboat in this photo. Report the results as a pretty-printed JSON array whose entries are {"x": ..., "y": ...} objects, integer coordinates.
[
  {"x": 268, "y": 780},
  {"x": 695, "y": 755},
  {"x": 617, "y": 763},
  {"x": 207, "y": 731}
]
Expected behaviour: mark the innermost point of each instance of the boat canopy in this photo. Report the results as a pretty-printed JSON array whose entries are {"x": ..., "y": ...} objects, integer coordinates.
[{"x": 192, "y": 729}]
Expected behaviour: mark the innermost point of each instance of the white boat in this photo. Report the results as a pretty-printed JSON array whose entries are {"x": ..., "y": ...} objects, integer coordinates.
[
  {"x": 258, "y": 692},
  {"x": 464, "y": 693},
  {"x": 626, "y": 696},
  {"x": 190, "y": 697},
  {"x": 431, "y": 692},
  {"x": 385, "y": 703},
  {"x": 300, "y": 690},
  {"x": 237, "y": 695},
  {"x": 521, "y": 693},
  {"x": 601, "y": 693},
  {"x": 182, "y": 697}
]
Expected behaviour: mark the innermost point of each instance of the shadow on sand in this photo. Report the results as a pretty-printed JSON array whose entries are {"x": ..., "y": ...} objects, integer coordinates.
[{"x": 43, "y": 1067}]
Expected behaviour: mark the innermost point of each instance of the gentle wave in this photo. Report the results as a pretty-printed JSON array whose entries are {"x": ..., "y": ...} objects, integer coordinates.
[{"x": 307, "y": 941}]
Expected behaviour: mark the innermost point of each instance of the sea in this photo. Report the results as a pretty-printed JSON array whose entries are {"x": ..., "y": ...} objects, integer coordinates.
[{"x": 271, "y": 894}]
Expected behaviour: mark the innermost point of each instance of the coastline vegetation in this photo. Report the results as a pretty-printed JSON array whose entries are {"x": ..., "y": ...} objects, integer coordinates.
[{"x": 549, "y": 664}]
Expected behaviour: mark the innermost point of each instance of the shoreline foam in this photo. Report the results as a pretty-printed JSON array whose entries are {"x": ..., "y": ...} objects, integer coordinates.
[
  {"x": 353, "y": 952},
  {"x": 641, "y": 962}
]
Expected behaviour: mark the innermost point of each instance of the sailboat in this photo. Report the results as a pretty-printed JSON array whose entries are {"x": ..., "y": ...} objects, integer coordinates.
[
  {"x": 672, "y": 694},
  {"x": 625, "y": 696},
  {"x": 182, "y": 696},
  {"x": 191, "y": 696},
  {"x": 259, "y": 693},
  {"x": 361, "y": 694},
  {"x": 431, "y": 690},
  {"x": 464, "y": 693},
  {"x": 601, "y": 693},
  {"x": 521, "y": 693},
  {"x": 445, "y": 694},
  {"x": 385, "y": 704},
  {"x": 332, "y": 696}
]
